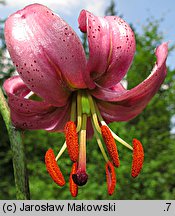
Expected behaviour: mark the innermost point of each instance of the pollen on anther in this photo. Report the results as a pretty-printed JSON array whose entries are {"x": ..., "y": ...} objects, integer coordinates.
[
  {"x": 111, "y": 177},
  {"x": 110, "y": 145},
  {"x": 73, "y": 186},
  {"x": 71, "y": 140},
  {"x": 53, "y": 168},
  {"x": 138, "y": 158}
]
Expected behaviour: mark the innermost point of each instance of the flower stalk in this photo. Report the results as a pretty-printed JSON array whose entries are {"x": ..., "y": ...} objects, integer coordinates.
[{"x": 17, "y": 147}]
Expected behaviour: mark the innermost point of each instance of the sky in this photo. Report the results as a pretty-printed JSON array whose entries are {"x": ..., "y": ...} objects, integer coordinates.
[{"x": 133, "y": 11}]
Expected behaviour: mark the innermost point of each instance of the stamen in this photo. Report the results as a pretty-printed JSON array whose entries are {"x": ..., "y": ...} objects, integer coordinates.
[
  {"x": 111, "y": 177},
  {"x": 63, "y": 148},
  {"x": 100, "y": 143},
  {"x": 138, "y": 158},
  {"x": 113, "y": 134},
  {"x": 73, "y": 186},
  {"x": 94, "y": 114},
  {"x": 73, "y": 109},
  {"x": 53, "y": 168},
  {"x": 71, "y": 140},
  {"x": 110, "y": 145}
]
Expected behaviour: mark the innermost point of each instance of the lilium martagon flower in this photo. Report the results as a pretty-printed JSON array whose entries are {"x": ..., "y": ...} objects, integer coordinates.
[{"x": 59, "y": 90}]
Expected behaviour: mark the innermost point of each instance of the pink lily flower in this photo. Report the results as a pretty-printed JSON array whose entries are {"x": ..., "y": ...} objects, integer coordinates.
[{"x": 58, "y": 89}]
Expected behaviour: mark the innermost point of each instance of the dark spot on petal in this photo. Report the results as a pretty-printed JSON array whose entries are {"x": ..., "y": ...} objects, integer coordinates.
[
  {"x": 23, "y": 16},
  {"x": 24, "y": 124}
]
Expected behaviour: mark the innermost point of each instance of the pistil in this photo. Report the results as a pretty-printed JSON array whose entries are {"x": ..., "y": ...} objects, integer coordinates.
[
  {"x": 79, "y": 111},
  {"x": 81, "y": 177}
]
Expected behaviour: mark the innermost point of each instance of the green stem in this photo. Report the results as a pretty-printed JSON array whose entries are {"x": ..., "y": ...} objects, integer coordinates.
[{"x": 19, "y": 163}]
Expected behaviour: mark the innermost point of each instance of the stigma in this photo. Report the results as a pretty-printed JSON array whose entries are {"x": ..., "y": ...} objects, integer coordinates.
[{"x": 84, "y": 109}]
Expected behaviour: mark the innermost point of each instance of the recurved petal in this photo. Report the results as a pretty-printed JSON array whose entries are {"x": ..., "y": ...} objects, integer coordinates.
[
  {"x": 97, "y": 29},
  {"x": 47, "y": 53},
  {"x": 30, "y": 114},
  {"x": 111, "y": 47},
  {"x": 112, "y": 112},
  {"x": 125, "y": 105},
  {"x": 52, "y": 120}
]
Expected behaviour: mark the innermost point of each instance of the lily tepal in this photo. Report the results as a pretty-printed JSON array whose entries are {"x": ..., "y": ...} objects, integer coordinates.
[{"x": 59, "y": 89}]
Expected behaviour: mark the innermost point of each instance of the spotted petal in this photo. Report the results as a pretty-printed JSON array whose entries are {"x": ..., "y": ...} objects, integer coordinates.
[
  {"x": 47, "y": 53},
  {"x": 111, "y": 47},
  {"x": 30, "y": 114},
  {"x": 126, "y": 104}
]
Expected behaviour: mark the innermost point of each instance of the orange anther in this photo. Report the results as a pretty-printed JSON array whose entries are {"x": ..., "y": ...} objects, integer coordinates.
[
  {"x": 71, "y": 140},
  {"x": 138, "y": 158},
  {"x": 110, "y": 145},
  {"x": 111, "y": 177},
  {"x": 73, "y": 186},
  {"x": 53, "y": 168}
]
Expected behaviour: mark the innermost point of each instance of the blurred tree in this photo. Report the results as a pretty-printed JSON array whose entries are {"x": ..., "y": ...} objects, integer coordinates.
[
  {"x": 110, "y": 10},
  {"x": 2, "y": 2},
  {"x": 5, "y": 62}
]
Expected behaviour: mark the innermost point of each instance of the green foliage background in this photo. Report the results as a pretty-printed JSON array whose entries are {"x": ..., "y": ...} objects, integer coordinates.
[{"x": 153, "y": 127}]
